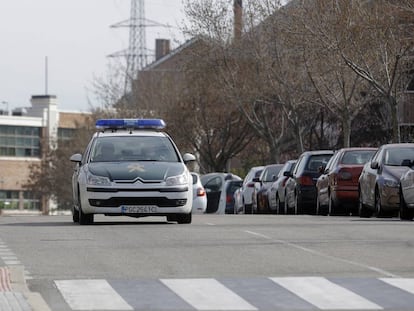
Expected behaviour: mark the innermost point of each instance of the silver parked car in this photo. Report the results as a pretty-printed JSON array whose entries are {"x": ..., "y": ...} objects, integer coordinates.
[
  {"x": 277, "y": 190},
  {"x": 407, "y": 191},
  {"x": 243, "y": 196},
  {"x": 379, "y": 183}
]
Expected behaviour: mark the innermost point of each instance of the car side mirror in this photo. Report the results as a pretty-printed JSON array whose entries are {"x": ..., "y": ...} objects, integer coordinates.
[
  {"x": 321, "y": 170},
  {"x": 77, "y": 157},
  {"x": 256, "y": 179},
  {"x": 287, "y": 174},
  {"x": 188, "y": 157},
  {"x": 374, "y": 165}
]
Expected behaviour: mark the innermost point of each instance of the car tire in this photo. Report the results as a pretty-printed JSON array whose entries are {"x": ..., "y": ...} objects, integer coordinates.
[
  {"x": 363, "y": 210},
  {"x": 75, "y": 214},
  {"x": 332, "y": 207},
  {"x": 85, "y": 219},
  {"x": 298, "y": 206},
  {"x": 405, "y": 213},
  {"x": 279, "y": 206},
  {"x": 184, "y": 218},
  {"x": 248, "y": 209}
]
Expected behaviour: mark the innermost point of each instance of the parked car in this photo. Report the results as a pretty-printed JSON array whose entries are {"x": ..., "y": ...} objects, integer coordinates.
[
  {"x": 379, "y": 182},
  {"x": 300, "y": 193},
  {"x": 407, "y": 191},
  {"x": 260, "y": 195},
  {"x": 219, "y": 186},
  {"x": 277, "y": 189},
  {"x": 243, "y": 195},
  {"x": 199, "y": 195},
  {"x": 337, "y": 187}
]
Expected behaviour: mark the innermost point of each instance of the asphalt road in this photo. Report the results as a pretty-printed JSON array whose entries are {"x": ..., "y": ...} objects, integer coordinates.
[{"x": 236, "y": 249}]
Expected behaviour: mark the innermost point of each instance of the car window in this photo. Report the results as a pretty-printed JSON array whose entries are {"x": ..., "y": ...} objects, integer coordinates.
[
  {"x": 270, "y": 172},
  {"x": 357, "y": 156},
  {"x": 395, "y": 156},
  {"x": 299, "y": 164},
  {"x": 331, "y": 161},
  {"x": 316, "y": 161},
  {"x": 214, "y": 184},
  {"x": 233, "y": 186},
  {"x": 133, "y": 148}
]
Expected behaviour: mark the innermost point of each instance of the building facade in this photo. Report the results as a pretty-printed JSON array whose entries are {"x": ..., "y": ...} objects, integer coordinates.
[{"x": 25, "y": 133}]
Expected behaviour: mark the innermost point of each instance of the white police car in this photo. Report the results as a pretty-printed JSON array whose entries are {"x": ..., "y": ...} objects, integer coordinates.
[{"x": 130, "y": 168}]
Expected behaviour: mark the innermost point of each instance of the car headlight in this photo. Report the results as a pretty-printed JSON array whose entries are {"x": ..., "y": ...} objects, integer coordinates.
[
  {"x": 97, "y": 180},
  {"x": 177, "y": 180},
  {"x": 390, "y": 183}
]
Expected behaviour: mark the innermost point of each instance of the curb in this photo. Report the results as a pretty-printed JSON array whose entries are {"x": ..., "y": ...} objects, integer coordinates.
[{"x": 18, "y": 284}]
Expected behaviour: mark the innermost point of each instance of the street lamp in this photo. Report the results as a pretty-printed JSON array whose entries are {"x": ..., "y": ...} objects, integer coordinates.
[{"x": 6, "y": 103}]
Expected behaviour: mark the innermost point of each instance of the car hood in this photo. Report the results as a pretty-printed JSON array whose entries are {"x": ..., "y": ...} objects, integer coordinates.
[
  {"x": 395, "y": 171},
  {"x": 131, "y": 171}
]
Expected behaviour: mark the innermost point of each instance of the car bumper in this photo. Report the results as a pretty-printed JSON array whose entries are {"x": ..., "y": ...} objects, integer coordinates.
[
  {"x": 143, "y": 202},
  {"x": 390, "y": 198},
  {"x": 345, "y": 194},
  {"x": 307, "y": 195}
]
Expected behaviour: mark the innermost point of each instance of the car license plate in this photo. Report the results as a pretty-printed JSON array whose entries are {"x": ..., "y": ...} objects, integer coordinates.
[{"x": 137, "y": 209}]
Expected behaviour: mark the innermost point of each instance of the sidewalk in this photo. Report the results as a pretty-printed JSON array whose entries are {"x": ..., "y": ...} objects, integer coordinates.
[{"x": 14, "y": 293}]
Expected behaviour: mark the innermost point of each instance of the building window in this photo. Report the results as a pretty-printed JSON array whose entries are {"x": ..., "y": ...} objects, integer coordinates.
[
  {"x": 10, "y": 199},
  {"x": 65, "y": 133},
  {"x": 19, "y": 141}
]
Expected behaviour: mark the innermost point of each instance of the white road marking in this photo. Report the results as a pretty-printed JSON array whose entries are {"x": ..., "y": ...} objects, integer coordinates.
[
  {"x": 324, "y": 294},
  {"x": 207, "y": 294},
  {"x": 91, "y": 295},
  {"x": 404, "y": 284},
  {"x": 320, "y": 254}
]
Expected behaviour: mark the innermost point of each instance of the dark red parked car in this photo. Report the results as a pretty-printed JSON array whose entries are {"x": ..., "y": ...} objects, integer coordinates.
[{"x": 337, "y": 187}]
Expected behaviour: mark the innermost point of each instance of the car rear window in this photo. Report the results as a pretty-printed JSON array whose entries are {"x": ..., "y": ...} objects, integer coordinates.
[
  {"x": 357, "y": 156},
  {"x": 316, "y": 161}
]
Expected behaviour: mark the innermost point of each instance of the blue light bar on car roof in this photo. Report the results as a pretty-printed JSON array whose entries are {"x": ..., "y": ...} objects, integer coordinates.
[{"x": 130, "y": 124}]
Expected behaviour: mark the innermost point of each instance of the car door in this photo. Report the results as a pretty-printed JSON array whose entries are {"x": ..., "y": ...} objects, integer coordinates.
[
  {"x": 324, "y": 181},
  {"x": 369, "y": 176},
  {"x": 291, "y": 183},
  {"x": 213, "y": 189}
]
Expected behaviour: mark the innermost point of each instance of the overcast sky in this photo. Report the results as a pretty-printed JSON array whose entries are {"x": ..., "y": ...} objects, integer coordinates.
[{"x": 76, "y": 37}]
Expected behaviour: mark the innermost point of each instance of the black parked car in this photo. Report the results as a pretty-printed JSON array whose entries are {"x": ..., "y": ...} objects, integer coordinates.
[{"x": 301, "y": 187}]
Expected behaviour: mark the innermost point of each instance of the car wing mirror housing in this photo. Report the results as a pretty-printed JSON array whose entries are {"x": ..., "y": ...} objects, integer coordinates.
[
  {"x": 374, "y": 165},
  {"x": 77, "y": 157},
  {"x": 188, "y": 157},
  {"x": 287, "y": 174}
]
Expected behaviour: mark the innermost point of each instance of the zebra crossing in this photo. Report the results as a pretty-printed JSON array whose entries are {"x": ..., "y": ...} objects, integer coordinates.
[{"x": 261, "y": 293}]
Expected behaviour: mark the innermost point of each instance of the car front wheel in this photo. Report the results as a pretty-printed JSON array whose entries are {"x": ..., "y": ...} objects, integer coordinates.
[
  {"x": 84, "y": 219},
  {"x": 75, "y": 214},
  {"x": 184, "y": 218}
]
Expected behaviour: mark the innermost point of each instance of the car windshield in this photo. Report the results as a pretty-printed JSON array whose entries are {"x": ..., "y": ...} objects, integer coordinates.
[
  {"x": 395, "y": 156},
  {"x": 357, "y": 156},
  {"x": 133, "y": 148}
]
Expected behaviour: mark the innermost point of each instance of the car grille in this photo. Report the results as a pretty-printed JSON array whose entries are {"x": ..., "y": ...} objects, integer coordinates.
[{"x": 118, "y": 201}]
